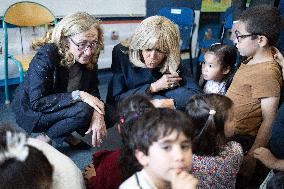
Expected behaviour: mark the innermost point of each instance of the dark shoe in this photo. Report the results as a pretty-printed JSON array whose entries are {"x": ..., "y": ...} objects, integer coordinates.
[{"x": 80, "y": 146}]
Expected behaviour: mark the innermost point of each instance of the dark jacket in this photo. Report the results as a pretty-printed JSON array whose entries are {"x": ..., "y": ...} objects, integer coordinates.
[
  {"x": 44, "y": 89},
  {"x": 129, "y": 79}
]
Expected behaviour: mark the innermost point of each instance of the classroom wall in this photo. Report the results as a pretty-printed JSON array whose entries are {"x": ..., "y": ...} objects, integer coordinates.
[
  {"x": 101, "y": 8},
  {"x": 153, "y": 6}
]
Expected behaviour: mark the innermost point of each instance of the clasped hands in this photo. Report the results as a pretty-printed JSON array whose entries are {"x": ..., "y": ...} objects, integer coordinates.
[
  {"x": 165, "y": 82},
  {"x": 97, "y": 124}
]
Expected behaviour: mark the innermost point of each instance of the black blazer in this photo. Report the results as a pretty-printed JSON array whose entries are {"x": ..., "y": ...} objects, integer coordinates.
[
  {"x": 44, "y": 89},
  {"x": 129, "y": 79}
]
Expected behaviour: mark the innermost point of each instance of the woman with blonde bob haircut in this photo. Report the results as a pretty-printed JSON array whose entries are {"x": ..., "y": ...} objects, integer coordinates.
[
  {"x": 60, "y": 93},
  {"x": 149, "y": 63}
]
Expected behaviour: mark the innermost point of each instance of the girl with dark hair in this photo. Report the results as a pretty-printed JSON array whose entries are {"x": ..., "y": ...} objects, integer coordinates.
[
  {"x": 218, "y": 68},
  {"x": 216, "y": 161},
  {"x": 110, "y": 167},
  {"x": 34, "y": 164},
  {"x": 22, "y": 166}
]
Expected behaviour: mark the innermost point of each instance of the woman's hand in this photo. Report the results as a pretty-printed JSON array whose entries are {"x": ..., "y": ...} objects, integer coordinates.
[
  {"x": 165, "y": 82},
  {"x": 93, "y": 102},
  {"x": 98, "y": 127}
]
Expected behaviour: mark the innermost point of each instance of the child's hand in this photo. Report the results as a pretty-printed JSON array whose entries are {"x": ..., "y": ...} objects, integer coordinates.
[
  {"x": 163, "y": 103},
  {"x": 265, "y": 156},
  {"x": 89, "y": 172},
  {"x": 278, "y": 57},
  {"x": 183, "y": 180}
]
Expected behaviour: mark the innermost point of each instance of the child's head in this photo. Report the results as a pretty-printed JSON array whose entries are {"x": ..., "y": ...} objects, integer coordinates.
[
  {"x": 259, "y": 25},
  {"x": 161, "y": 142},
  {"x": 130, "y": 110},
  {"x": 211, "y": 115},
  {"x": 276, "y": 181},
  {"x": 219, "y": 60},
  {"x": 22, "y": 166}
]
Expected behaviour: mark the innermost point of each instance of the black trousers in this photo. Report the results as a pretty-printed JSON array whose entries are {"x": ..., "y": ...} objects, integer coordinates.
[{"x": 63, "y": 122}]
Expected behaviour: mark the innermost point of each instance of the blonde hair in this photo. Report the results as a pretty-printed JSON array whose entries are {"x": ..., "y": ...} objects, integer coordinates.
[
  {"x": 70, "y": 25},
  {"x": 153, "y": 30}
]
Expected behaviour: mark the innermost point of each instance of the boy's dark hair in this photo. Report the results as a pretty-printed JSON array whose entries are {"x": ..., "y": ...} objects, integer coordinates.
[
  {"x": 130, "y": 110},
  {"x": 263, "y": 20},
  {"x": 226, "y": 54},
  {"x": 209, "y": 136},
  {"x": 35, "y": 172},
  {"x": 276, "y": 181},
  {"x": 156, "y": 124},
  {"x": 152, "y": 126}
]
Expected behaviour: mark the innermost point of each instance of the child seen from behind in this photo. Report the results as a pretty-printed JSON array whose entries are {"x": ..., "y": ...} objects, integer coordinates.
[
  {"x": 216, "y": 160},
  {"x": 22, "y": 166}
]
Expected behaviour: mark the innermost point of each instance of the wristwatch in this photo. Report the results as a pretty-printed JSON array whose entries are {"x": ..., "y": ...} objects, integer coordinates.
[{"x": 76, "y": 95}]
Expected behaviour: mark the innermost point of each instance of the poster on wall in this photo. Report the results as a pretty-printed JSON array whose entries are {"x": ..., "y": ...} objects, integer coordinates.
[{"x": 215, "y": 5}]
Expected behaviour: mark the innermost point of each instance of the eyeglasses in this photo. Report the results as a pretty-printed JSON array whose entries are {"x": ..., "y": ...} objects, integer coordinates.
[
  {"x": 85, "y": 46},
  {"x": 238, "y": 37}
]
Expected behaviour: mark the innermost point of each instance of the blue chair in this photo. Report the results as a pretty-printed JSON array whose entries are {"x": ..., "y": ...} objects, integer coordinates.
[
  {"x": 184, "y": 18},
  {"x": 227, "y": 23},
  {"x": 22, "y": 14}
]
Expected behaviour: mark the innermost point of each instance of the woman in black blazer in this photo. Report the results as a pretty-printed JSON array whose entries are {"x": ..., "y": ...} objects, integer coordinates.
[
  {"x": 60, "y": 93},
  {"x": 149, "y": 63}
]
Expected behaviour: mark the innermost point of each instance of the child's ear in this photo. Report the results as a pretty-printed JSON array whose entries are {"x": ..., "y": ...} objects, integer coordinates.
[
  {"x": 262, "y": 41},
  {"x": 226, "y": 70},
  {"x": 142, "y": 158}
]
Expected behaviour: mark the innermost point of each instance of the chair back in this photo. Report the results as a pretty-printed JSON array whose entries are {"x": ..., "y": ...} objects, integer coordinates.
[
  {"x": 28, "y": 14},
  {"x": 21, "y": 14},
  {"x": 184, "y": 18},
  {"x": 227, "y": 22}
]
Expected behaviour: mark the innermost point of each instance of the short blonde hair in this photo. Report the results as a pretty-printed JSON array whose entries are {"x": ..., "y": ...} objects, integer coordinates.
[
  {"x": 70, "y": 25},
  {"x": 153, "y": 30}
]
